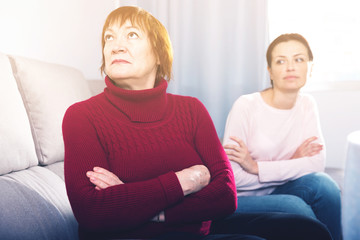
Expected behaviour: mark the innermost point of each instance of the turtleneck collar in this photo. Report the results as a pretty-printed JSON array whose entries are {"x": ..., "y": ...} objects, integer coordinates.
[{"x": 147, "y": 105}]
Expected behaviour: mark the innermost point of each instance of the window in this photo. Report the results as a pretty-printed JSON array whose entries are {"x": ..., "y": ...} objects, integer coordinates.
[{"x": 332, "y": 28}]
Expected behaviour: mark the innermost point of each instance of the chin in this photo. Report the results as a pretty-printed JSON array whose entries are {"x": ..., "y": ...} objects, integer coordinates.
[
  {"x": 118, "y": 76},
  {"x": 115, "y": 72}
]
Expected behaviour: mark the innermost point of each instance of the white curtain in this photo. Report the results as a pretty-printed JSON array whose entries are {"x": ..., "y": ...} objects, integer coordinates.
[{"x": 219, "y": 49}]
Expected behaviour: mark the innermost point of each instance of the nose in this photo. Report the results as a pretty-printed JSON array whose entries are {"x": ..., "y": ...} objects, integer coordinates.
[
  {"x": 119, "y": 46},
  {"x": 290, "y": 66}
]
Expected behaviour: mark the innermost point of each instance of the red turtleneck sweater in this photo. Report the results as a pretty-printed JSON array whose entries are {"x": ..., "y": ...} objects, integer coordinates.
[{"x": 143, "y": 137}]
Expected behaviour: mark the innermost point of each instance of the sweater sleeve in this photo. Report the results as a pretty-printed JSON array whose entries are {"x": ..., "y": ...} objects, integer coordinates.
[
  {"x": 290, "y": 169},
  {"x": 218, "y": 199},
  {"x": 238, "y": 124},
  {"x": 120, "y": 207}
]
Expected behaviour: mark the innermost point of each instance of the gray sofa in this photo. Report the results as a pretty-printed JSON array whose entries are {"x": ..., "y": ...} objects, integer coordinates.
[{"x": 33, "y": 98}]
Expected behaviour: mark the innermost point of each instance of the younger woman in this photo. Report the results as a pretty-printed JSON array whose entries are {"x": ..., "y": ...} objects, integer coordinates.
[{"x": 274, "y": 141}]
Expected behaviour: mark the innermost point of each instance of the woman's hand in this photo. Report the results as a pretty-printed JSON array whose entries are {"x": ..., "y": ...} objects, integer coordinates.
[
  {"x": 308, "y": 148},
  {"x": 193, "y": 179},
  {"x": 103, "y": 178},
  {"x": 159, "y": 218},
  {"x": 240, "y": 154}
]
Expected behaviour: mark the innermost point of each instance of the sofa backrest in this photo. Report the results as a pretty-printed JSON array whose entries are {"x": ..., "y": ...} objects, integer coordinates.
[
  {"x": 43, "y": 91},
  {"x": 17, "y": 149}
]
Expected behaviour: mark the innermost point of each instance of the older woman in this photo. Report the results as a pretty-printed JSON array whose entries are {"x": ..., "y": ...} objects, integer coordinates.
[
  {"x": 274, "y": 141},
  {"x": 140, "y": 162},
  {"x": 136, "y": 156}
]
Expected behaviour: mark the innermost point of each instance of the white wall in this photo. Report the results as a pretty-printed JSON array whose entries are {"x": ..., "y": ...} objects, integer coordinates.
[
  {"x": 65, "y": 32},
  {"x": 339, "y": 110}
]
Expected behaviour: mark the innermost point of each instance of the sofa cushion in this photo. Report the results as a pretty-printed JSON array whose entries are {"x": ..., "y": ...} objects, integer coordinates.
[
  {"x": 27, "y": 214},
  {"x": 17, "y": 149},
  {"x": 38, "y": 197},
  {"x": 48, "y": 90},
  {"x": 57, "y": 168}
]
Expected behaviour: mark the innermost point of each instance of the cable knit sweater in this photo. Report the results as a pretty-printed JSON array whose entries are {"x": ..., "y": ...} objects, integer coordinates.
[{"x": 143, "y": 137}]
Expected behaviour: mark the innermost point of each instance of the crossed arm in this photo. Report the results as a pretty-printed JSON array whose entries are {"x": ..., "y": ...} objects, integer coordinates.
[
  {"x": 191, "y": 179},
  {"x": 239, "y": 153}
]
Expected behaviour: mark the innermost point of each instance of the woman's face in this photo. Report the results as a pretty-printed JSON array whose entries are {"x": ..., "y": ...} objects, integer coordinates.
[
  {"x": 129, "y": 58},
  {"x": 290, "y": 66}
]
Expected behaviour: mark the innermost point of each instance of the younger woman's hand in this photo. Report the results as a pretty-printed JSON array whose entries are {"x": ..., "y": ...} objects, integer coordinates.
[
  {"x": 103, "y": 178},
  {"x": 193, "y": 179},
  {"x": 239, "y": 153},
  {"x": 308, "y": 148}
]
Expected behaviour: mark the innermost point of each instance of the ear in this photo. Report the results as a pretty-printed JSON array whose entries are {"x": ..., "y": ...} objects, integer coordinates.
[
  {"x": 269, "y": 70},
  {"x": 270, "y": 75},
  {"x": 157, "y": 57},
  {"x": 311, "y": 66}
]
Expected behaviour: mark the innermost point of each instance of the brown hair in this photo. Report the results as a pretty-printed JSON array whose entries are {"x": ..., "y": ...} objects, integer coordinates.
[
  {"x": 156, "y": 32},
  {"x": 286, "y": 38}
]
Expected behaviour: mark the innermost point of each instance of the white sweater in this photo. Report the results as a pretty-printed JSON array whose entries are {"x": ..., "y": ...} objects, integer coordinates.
[{"x": 272, "y": 136}]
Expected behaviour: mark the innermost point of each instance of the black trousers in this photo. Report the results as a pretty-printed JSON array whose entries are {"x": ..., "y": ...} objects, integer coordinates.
[{"x": 270, "y": 226}]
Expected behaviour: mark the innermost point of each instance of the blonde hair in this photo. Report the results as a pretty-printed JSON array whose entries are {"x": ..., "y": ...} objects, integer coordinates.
[{"x": 157, "y": 34}]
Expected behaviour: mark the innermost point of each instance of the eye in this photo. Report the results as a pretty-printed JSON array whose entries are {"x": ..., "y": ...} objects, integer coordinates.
[
  {"x": 133, "y": 35},
  {"x": 280, "y": 61},
  {"x": 299, "y": 59},
  {"x": 108, "y": 37}
]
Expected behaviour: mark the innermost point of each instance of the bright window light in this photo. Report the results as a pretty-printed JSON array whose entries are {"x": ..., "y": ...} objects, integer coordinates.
[{"x": 332, "y": 28}]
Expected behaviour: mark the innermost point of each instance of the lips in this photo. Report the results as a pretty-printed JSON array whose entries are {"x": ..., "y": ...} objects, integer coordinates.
[
  {"x": 119, "y": 61},
  {"x": 290, "y": 77}
]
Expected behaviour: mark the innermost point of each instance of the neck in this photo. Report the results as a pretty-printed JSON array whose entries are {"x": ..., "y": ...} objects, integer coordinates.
[
  {"x": 280, "y": 100},
  {"x": 147, "y": 105},
  {"x": 134, "y": 84}
]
